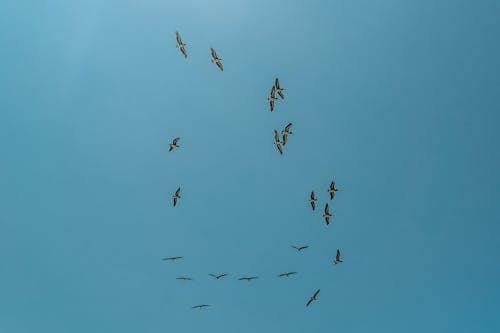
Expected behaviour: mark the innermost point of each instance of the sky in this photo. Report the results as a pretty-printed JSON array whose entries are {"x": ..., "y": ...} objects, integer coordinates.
[{"x": 396, "y": 101}]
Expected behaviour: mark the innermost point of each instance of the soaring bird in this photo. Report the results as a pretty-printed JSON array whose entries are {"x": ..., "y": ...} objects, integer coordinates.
[
  {"x": 183, "y": 278},
  {"x": 286, "y": 132},
  {"x": 180, "y": 44},
  {"x": 200, "y": 306},
  {"x": 300, "y": 248},
  {"x": 287, "y": 274},
  {"x": 177, "y": 196},
  {"x": 313, "y": 297},
  {"x": 173, "y": 144},
  {"x": 216, "y": 59},
  {"x": 279, "y": 90},
  {"x": 332, "y": 190},
  {"x": 337, "y": 259},
  {"x": 272, "y": 98},
  {"x": 277, "y": 142},
  {"x": 171, "y": 258},
  {"x": 312, "y": 200},
  {"x": 248, "y": 278},
  {"x": 218, "y": 276},
  {"x": 327, "y": 215}
]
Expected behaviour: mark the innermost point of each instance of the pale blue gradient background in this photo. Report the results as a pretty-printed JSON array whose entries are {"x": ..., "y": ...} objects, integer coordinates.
[{"x": 398, "y": 101}]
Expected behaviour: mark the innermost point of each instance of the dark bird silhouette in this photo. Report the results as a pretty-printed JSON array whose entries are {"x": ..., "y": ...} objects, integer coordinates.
[
  {"x": 180, "y": 44},
  {"x": 248, "y": 278},
  {"x": 173, "y": 144},
  {"x": 218, "y": 276},
  {"x": 172, "y": 258},
  {"x": 277, "y": 142},
  {"x": 286, "y": 274},
  {"x": 300, "y": 248},
  {"x": 286, "y": 132},
  {"x": 332, "y": 190},
  {"x": 177, "y": 196},
  {"x": 337, "y": 259},
  {"x": 272, "y": 98},
  {"x": 216, "y": 59},
  {"x": 327, "y": 215},
  {"x": 313, "y": 297},
  {"x": 312, "y": 200},
  {"x": 200, "y": 306},
  {"x": 279, "y": 90},
  {"x": 184, "y": 278}
]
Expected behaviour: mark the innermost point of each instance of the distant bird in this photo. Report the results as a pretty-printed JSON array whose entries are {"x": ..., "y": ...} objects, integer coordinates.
[
  {"x": 218, "y": 276},
  {"x": 248, "y": 278},
  {"x": 173, "y": 144},
  {"x": 287, "y": 274},
  {"x": 286, "y": 132},
  {"x": 279, "y": 90},
  {"x": 171, "y": 258},
  {"x": 200, "y": 306},
  {"x": 184, "y": 278},
  {"x": 337, "y": 259},
  {"x": 332, "y": 190},
  {"x": 313, "y": 200},
  {"x": 327, "y": 215},
  {"x": 177, "y": 196},
  {"x": 216, "y": 59},
  {"x": 272, "y": 98},
  {"x": 277, "y": 142},
  {"x": 313, "y": 297},
  {"x": 180, "y": 44},
  {"x": 300, "y": 248}
]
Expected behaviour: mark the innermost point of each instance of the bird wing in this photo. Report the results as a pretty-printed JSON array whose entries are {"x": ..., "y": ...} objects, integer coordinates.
[
  {"x": 288, "y": 127},
  {"x": 303, "y": 247},
  {"x": 178, "y": 37},
  {"x": 280, "y": 149},
  {"x": 276, "y": 137},
  {"x": 316, "y": 293},
  {"x": 327, "y": 219},
  {"x": 213, "y": 275},
  {"x": 312, "y": 195},
  {"x": 337, "y": 257},
  {"x": 171, "y": 147},
  {"x": 310, "y": 301},
  {"x": 313, "y": 205},
  {"x": 332, "y": 194},
  {"x": 285, "y": 137},
  {"x": 177, "y": 191},
  {"x": 273, "y": 91},
  {"x": 174, "y": 142},
  {"x": 183, "y": 50},
  {"x": 175, "y": 201},
  {"x": 271, "y": 105},
  {"x": 277, "y": 83},
  {"x": 219, "y": 64},
  {"x": 214, "y": 54},
  {"x": 280, "y": 93}
]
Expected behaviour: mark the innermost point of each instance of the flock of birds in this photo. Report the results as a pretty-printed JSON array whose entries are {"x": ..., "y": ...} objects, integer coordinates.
[{"x": 276, "y": 91}]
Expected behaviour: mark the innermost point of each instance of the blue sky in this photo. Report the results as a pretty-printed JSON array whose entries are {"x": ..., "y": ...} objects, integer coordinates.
[{"x": 397, "y": 101}]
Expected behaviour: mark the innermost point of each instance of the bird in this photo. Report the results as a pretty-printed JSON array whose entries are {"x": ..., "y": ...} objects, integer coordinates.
[
  {"x": 327, "y": 215},
  {"x": 312, "y": 200},
  {"x": 337, "y": 259},
  {"x": 172, "y": 258},
  {"x": 248, "y": 278},
  {"x": 287, "y": 274},
  {"x": 332, "y": 190},
  {"x": 200, "y": 306},
  {"x": 177, "y": 196},
  {"x": 286, "y": 132},
  {"x": 180, "y": 44},
  {"x": 279, "y": 90},
  {"x": 173, "y": 144},
  {"x": 184, "y": 278},
  {"x": 272, "y": 98},
  {"x": 300, "y": 248},
  {"x": 277, "y": 142},
  {"x": 313, "y": 297},
  {"x": 216, "y": 59},
  {"x": 218, "y": 276}
]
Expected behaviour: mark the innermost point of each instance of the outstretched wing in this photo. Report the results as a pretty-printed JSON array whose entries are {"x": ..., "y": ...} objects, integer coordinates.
[
  {"x": 214, "y": 54},
  {"x": 280, "y": 93},
  {"x": 183, "y": 50},
  {"x": 313, "y": 205},
  {"x": 219, "y": 64},
  {"x": 288, "y": 127},
  {"x": 174, "y": 142},
  {"x": 303, "y": 247},
  {"x": 279, "y": 149},
  {"x": 285, "y": 137},
  {"x": 327, "y": 210},
  {"x": 337, "y": 257},
  {"x": 178, "y": 191},
  {"x": 178, "y": 37},
  {"x": 271, "y": 105},
  {"x": 277, "y": 83},
  {"x": 316, "y": 294}
]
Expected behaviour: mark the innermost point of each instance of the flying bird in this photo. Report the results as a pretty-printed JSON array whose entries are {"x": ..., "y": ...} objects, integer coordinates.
[
  {"x": 337, "y": 259},
  {"x": 180, "y": 44},
  {"x": 279, "y": 90},
  {"x": 313, "y": 200},
  {"x": 277, "y": 142},
  {"x": 216, "y": 59},
  {"x": 200, "y": 306},
  {"x": 248, "y": 278},
  {"x": 332, "y": 190},
  {"x": 173, "y": 144},
  {"x": 272, "y": 98},
  {"x": 286, "y": 274},
  {"x": 171, "y": 258},
  {"x": 300, "y": 248},
  {"x": 218, "y": 276},
  {"x": 184, "y": 278},
  {"x": 177, "y": 196},
  {"x": 313, "y": 297},
  {"x": 286, "y": 132},
  {"x": 327, "y": 215}
]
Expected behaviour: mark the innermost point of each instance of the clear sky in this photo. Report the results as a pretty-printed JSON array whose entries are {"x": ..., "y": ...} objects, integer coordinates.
[{"x": 397, "y": 101}]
